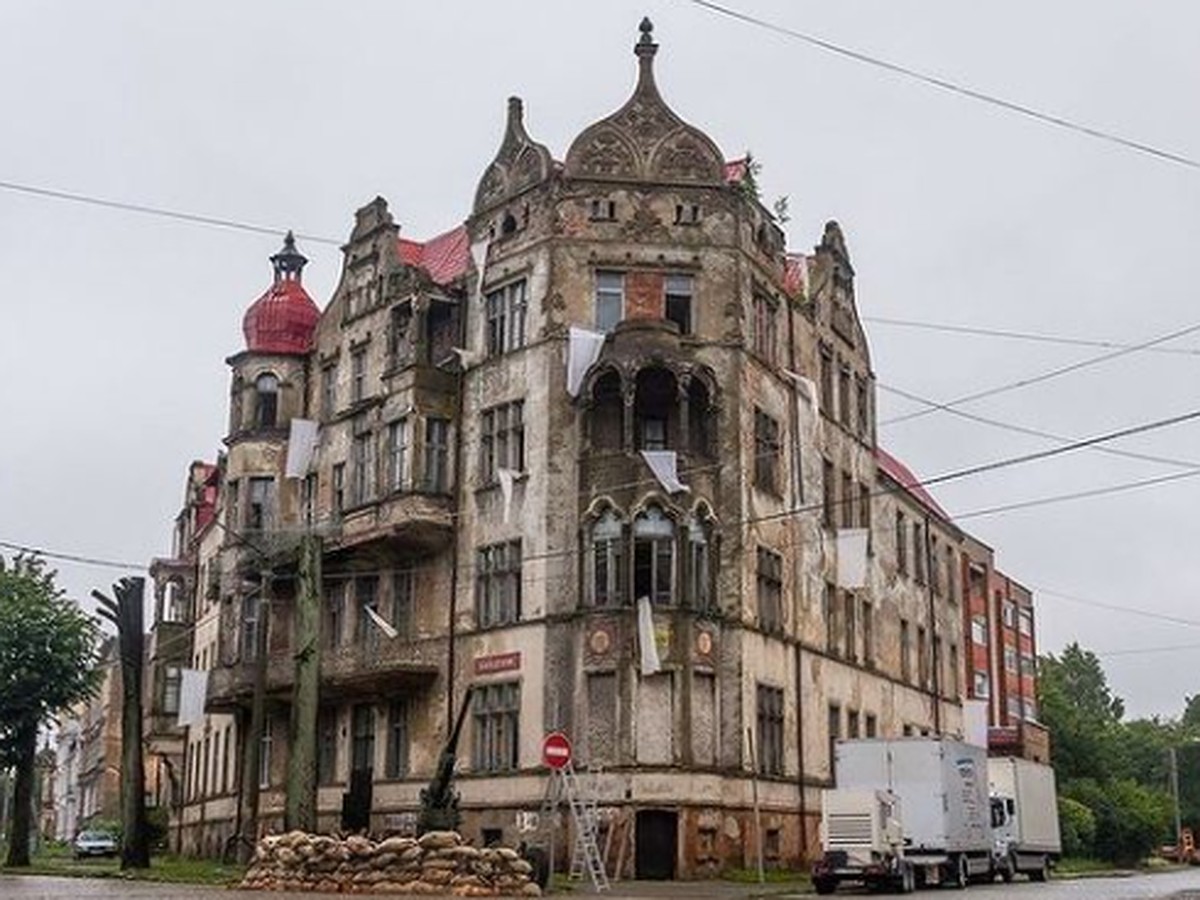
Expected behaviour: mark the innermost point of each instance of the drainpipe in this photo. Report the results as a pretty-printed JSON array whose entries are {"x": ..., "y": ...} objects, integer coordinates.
[{"x": 934, "y": 660}]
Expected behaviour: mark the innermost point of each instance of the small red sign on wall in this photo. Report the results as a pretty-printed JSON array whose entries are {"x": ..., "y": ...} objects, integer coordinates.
[{"x": 499, "y": 662}]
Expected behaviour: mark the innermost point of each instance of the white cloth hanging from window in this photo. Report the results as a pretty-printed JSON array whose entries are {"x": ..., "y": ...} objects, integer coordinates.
[
  {"x": 479, "y": 252},
  {"x": 380, "y": 622},
  {"x": 302, "y": 444},
  {"x": 506, "y": 478},
  {"x": 583, "y": 349},
  {"x": 662, "y": 463},
  {"x": 852, "y": 557},
  {"x": 193, "y": 693},
  {"x": 647, "y": 645}
]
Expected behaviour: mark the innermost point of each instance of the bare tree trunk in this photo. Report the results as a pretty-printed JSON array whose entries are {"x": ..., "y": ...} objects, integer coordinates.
[{"x": 22, "y": 813}]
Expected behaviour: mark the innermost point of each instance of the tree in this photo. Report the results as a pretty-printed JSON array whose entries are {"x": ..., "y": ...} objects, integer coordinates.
[
  {"x": 48, "y": 655},
  {"x": 1082, "y": 713},
  {"x": 1130, "y": 820}
]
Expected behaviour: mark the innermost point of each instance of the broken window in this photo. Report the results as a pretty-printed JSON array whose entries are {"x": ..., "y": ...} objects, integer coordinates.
[
  {"x": 610, "y": 300},
  {"x": 502, "y": 440},
  {"x": 362, "y": 464},
  {"x": 505, "y": 312},
  {"x": 266, "y": 396},
  {"x": 338, "y": 498},
  {"x": 608, "y": 569},
  {"x": 358, "y": 375},
  {"x": 770, "y": 730},
  {"x": 861, "y": 406},
  {"x": 700, "y": 419},
  {"x": 328, "y": 390},
  {"x": 767, "y": 452},
  {"x": 437, "y": 455},
  {"x": 397, "y": 454},
  {"x": 679, "y": 301},
  {"x": 602, "y": 210},
  {"x": 905, "y": 650},
  {"x": 496, "y": 710},
  {"x": 766, "y": 327},
  {"x": 827, "y": 380},
  {"x": 868, "y": 634},
  {"x": 829, "y": 610},
  {"x": 901, "y": 544},
  {"x": 851, "y": 625},
  {"x": 844, "y": 410},
  {"x": 261, "y": 504},
  {"x": 366, "y": 599},
  {"x": 607, "y": 413},
  {"x": 828, "y": 495},
  {"x": 400, "y": 342},
  {"x": 308, "y": 498},
  {"x": 656, "y": 409},
  {"x": 700, "y": 563},
  {"x": 654, "y": 556},
  {"x": 770, "y": 590},
  {"x": 498, "y": 584},
  {"x": 362, "y": 731}
]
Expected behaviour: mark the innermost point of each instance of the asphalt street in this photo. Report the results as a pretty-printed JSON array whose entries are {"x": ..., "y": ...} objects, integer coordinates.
[{"x": 1175, "y": 885}]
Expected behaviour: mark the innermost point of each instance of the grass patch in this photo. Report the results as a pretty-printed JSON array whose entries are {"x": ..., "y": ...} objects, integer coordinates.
[
  {"x": 770, "y": 876},
  {"x": 166, "y": 869}
]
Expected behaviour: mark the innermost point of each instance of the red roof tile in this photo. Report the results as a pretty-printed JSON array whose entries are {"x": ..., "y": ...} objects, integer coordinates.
[
  {"x": 282, "y": 320},
  {"x": 735, "y": 170},
  {"x": 445, "y": 257},
  {"x": 902, "y": 475}
]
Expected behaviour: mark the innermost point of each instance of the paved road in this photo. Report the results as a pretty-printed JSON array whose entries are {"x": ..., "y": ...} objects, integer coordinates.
[{"x": 1176, "y": 885}]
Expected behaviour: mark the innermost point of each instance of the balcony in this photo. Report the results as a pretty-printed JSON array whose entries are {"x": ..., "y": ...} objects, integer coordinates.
[{"x": 416, "y": 523}]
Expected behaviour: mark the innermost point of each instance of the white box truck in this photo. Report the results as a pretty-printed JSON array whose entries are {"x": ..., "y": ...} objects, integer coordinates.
[
  {"x": 941, "y": 812},
  {"x": 1024, "y": 817}
]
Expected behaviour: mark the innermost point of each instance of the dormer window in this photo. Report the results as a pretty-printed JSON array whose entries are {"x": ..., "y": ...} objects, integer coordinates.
[
  {"x": 266, "y": 409},
  {"x": 687, "y": 214},
  {"x": 508, "y": 225},
  {"x": 602, "y": 210}
]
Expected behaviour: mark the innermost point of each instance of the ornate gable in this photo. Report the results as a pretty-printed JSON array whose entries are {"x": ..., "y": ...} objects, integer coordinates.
[
  {"x": 645, "y": 140},
  {"x": 520, "y": 163}
]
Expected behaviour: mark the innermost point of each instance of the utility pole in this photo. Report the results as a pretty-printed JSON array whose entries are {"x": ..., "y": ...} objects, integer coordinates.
[
  {"x": 1174, "y": 757},
  {"x": 126, "y": 613},
  {"x": 252, "y": 756},
  {"x": 301, "y": 809}
]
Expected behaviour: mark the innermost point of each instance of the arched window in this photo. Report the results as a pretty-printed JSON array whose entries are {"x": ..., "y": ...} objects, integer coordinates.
[
  {"x": 266, "y": 409},
  {"x": 607, "y": 412},
  {"x": 235, "y": 404},
  {"x": 654, "y": 556},
  {"x": 700, "y": 561},
  {"x": 656, "y": 409},
  {"x": 607, "y": 561}
]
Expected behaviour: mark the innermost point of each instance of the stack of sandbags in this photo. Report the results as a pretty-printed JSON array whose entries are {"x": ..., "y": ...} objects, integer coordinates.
[{"x": 435, "y": 863}]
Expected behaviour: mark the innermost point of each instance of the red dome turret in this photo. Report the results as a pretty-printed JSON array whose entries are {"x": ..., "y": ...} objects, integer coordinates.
[{"x": 283, "y": 319}]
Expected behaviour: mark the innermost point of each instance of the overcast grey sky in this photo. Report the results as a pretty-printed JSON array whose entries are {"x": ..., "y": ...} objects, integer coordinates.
[{"x": 116, "y": 326}]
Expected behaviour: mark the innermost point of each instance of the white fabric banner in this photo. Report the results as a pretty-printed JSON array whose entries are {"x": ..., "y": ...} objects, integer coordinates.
[
  {"x": 506, "y": 477},
  {"x": 662, "y": 463},
  {"x": 479, "y": 252},
  {"x": 852, "y": 557},
  {"x": 380, "y": 622},
  {"x": 193, "y": 692},
  {"x": 647, "y": 645},
  {"x": 302, "y": 444},
  {"x": 467, "y": 358},
  {"x": 582, "y": 352}
]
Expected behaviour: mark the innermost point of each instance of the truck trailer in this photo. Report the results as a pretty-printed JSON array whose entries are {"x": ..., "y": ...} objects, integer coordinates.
[
  {"x": 905, "y": 813},
  {"x": 1024, "y": 817}
]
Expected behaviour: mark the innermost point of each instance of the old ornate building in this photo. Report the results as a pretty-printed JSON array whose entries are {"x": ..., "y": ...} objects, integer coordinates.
[{"x": 489, "y": 518}]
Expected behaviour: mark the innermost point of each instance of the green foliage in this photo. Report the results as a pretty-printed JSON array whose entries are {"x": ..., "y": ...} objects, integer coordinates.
[
  {"x": 1078, "y": 825},
  {"x": 1131, "y": 820},
  {"x": 47, "y": 650},
  {"x": 1081, "y": 712}
]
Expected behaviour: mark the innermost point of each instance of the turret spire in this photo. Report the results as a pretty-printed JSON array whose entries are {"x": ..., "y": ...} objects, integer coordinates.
[{"x": 288, "y": 262}]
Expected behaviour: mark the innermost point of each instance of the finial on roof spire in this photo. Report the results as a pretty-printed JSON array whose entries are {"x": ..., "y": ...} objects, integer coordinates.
[
  {"x": 288, "y": 262},
  {"x": 645, "y": 49},
  {"x": 647, "y": 29}
]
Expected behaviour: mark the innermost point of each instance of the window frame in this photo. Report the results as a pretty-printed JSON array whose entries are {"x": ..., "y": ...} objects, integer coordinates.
[
  {"x": 505, "y": 309},
  {"x": 498, "y": 578},
  {"x": 769, "y": 589},
  {"x": 609, "y": 288},
  {"x": 496, "y": 727}
]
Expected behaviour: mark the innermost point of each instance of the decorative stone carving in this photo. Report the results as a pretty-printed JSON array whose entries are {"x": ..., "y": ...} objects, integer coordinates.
[
  {"x": 659, "y": 144},
  {"x": 520, "y": 163}
]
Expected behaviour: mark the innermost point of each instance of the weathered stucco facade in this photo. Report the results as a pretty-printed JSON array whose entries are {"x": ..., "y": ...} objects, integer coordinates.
[{"x": 501, "y": 519}]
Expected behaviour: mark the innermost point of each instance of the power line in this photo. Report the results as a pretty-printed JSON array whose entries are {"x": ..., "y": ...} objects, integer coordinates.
[
  {"x": 1098, "y": 604},
  {"x": 1034, "y": 432},
  {"x": 161, "y": 212},
  {"x": 1077, "y": 495},
  {"x": 72, "y": 557},
  {"x": 1047, "y": 375},
  {"x": 953, "y": 87},
  {"x": 1036, "y": 337}
]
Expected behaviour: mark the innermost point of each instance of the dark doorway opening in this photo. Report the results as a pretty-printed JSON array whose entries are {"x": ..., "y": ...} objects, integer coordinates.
[{"x": 656, "y": 844}]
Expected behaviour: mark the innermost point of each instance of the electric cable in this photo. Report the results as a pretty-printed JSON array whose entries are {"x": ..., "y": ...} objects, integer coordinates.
[
  {"x": 953, "y": 87},
  {"x": 1047, "y": 375}
]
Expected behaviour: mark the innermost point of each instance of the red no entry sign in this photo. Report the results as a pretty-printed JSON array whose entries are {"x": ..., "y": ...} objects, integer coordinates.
[{"x": 556, "y": 750}]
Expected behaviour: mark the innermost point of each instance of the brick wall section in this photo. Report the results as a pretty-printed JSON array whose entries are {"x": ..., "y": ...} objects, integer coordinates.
[{"x": 644, "y": 295}]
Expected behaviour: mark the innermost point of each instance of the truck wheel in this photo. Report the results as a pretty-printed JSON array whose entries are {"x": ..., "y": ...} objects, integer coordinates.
[
  {"x": 1042, "y": 872},
  {"x": 824, "y": 885}
]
